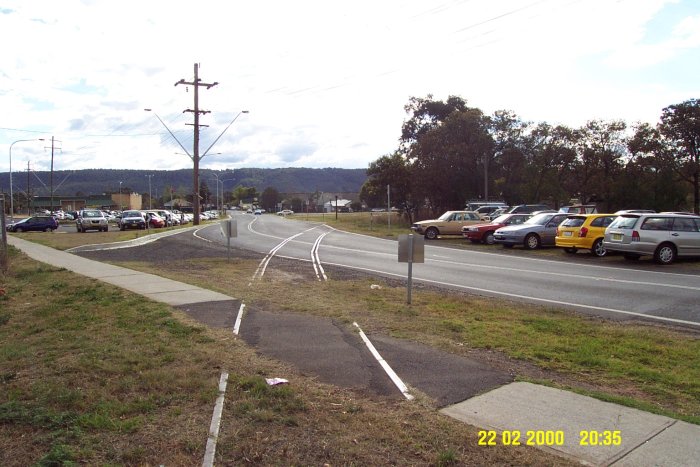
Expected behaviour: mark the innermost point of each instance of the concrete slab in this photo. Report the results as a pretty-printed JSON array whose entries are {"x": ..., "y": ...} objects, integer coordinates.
[
  {"x": 154, "y": 287},
  {"x": 526, "y": 407},
  {"x": 679, "y": 444}
]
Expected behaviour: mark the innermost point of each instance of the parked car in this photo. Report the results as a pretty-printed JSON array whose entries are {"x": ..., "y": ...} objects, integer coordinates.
[
  {"x": 496, "y": 213},
  {"x": 132, "y": 220},
  {"x": 487, "y": 210},
  {"x": 450, "y": 223},
  {"x": 153, "y": 220},
  {"x": 283, "y": 212},
  {"x": 34, "y": 224},
  {"x": 91, "y": 219},
  {"x": 528, "y": 208},
  {"x": 584, "y": 231},
  {"x": 534, "y": 233},
  {"x": 663, "y": 236},
  {"x": 579, "y": 209},
  {"x": 483, "y": 233}
]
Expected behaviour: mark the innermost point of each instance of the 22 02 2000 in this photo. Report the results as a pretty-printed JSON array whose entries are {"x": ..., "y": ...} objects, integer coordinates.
[{"x": 516, "y": 438}]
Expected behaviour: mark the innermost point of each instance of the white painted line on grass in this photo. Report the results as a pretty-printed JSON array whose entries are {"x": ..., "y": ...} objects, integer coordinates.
[
  {"x": 215, "y": 423},
  {"x": 394, "y": 377},
  {"x": 237, "y": 326}
]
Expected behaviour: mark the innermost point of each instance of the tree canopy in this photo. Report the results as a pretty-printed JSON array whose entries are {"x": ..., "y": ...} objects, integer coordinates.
[{"x": 450, "y": 153}]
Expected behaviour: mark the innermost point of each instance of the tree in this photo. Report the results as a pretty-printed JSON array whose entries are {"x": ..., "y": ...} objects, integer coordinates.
[
  {"x": 446, "y": 159},
  {"x": 649, "y": 176},
  {"x": 394, "y": 171},
  {"x": 680, "y": 126},
  {"x": 269, "y": 199}
]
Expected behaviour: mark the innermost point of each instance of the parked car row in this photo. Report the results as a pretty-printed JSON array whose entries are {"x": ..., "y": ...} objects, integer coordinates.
[{"x": 634, "y": 233}]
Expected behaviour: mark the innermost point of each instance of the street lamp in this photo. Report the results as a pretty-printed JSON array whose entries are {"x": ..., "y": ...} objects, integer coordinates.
[
  {"x": 12, "y": 202},
  {"x": 120, "y": 196},
  {"x": 149, "y": 191}
]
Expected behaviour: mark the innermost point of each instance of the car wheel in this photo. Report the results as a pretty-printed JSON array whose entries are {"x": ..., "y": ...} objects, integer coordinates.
[
  {"x": 431, "y": 233},
  {"x": 571, "y": 251},
  {"x": 532, "y": 242},
  {"x": 107, "y": 229},
  {"x": 488, "y": 238},
  {"x": 48, "y": 229},
  {"x": 631, "y": 256},
  {"x": 665, "y": 254},
  {"x": 598, "y": 248}
]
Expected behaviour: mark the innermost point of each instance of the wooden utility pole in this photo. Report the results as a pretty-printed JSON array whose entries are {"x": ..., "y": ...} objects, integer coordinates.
[{"x": 195, "y": 153}]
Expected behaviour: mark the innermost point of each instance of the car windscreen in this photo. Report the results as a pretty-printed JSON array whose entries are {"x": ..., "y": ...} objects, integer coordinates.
[
  {"x": 445, "y": 217},
  {"x": 573, "y": 222},
  {"x": 540, "y": 219},
  {"x": 132, "y": 214},
  {"x": 92, "y": 214},
  {"x": 624, "y": 222}
]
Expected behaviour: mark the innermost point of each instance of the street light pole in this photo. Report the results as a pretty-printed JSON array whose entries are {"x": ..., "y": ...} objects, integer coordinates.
[
  {"x": 121, "y": 202},
  {"x": 149, "y": 191},
  {"x": 12, "y": 202}
]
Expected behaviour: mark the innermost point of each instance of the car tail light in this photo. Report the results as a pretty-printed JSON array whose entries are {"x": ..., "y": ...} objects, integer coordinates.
[
  {"x": 557, "y": 234},
  {"x": 635, "y": 236},
  {"x": 583, "y": 232}
]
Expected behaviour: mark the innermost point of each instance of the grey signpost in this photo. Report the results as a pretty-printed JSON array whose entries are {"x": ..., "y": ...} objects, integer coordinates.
[
  {"x": 229, "y": 228},
  {"x": 411, "y": 250}
]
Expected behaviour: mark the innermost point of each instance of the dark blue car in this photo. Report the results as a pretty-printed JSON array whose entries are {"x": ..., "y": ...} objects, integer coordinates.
[{"x": 34, "y": 224}]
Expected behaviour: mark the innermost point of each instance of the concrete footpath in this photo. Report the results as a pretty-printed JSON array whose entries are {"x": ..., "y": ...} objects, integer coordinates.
[{"x": 574, "y": 426}]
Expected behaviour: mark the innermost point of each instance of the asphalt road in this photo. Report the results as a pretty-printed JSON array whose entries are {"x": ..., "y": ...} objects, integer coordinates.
[{"x": 618, "y": 292}]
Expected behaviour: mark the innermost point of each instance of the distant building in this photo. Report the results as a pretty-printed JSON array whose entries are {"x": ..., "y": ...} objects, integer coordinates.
[{"x": 343, "y": 205}]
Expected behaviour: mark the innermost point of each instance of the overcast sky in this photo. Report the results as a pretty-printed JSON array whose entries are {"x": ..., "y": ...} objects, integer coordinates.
[{"x": 325, "y": 82}]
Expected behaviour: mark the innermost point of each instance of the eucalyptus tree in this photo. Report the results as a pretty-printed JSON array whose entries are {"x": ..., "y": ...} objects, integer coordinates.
[
  {"x": 393, "y": 171},
  {"x": 650, "y": 178},
  {"x": 680, "y": 126}
]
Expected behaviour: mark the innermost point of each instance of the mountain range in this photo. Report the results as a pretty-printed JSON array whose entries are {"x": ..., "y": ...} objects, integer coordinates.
[{"x": 160, "y": 182}]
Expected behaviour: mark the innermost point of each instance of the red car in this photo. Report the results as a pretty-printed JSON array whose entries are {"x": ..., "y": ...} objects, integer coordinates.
[
  {"x": 483, "y": 233},
  {"x": 155, "y": 221}
]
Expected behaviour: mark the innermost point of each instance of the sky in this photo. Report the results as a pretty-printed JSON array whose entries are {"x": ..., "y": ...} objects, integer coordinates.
[{"x": 324, "y": 82}]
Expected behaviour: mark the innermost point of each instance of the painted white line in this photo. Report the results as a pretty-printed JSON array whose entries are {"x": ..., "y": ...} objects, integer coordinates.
[
  {"x": 201, "y": 238},
  {"x": 239, "y": 318},
  {"x": 215, "y": 423},
  {"x": 260, "y": 271},
  {"x": 527, "y": 298},
  {"x": 316, "y": 260},
  {"x": 394, "y": 377}
]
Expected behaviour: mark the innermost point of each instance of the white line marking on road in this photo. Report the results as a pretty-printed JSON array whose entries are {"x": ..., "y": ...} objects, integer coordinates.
[
  {"x": 535, "y": 299},
  {"x": 260, "y": 271},
  {"x": 201, "y": 238},
  {"x": 239, "y": 318},
  {"x": 318, "y": 269},
  {"x": 215, "y": 423},
  {"x": 394, "y": 377}
]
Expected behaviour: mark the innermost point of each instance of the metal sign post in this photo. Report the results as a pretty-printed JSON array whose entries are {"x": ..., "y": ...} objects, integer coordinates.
[
  {"x": 229, "y": 228},
  {"x": 411, "y": 250}
]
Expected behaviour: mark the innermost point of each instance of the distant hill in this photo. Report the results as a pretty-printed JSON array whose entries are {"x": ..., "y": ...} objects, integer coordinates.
[{"x": 99, "y": 181}]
